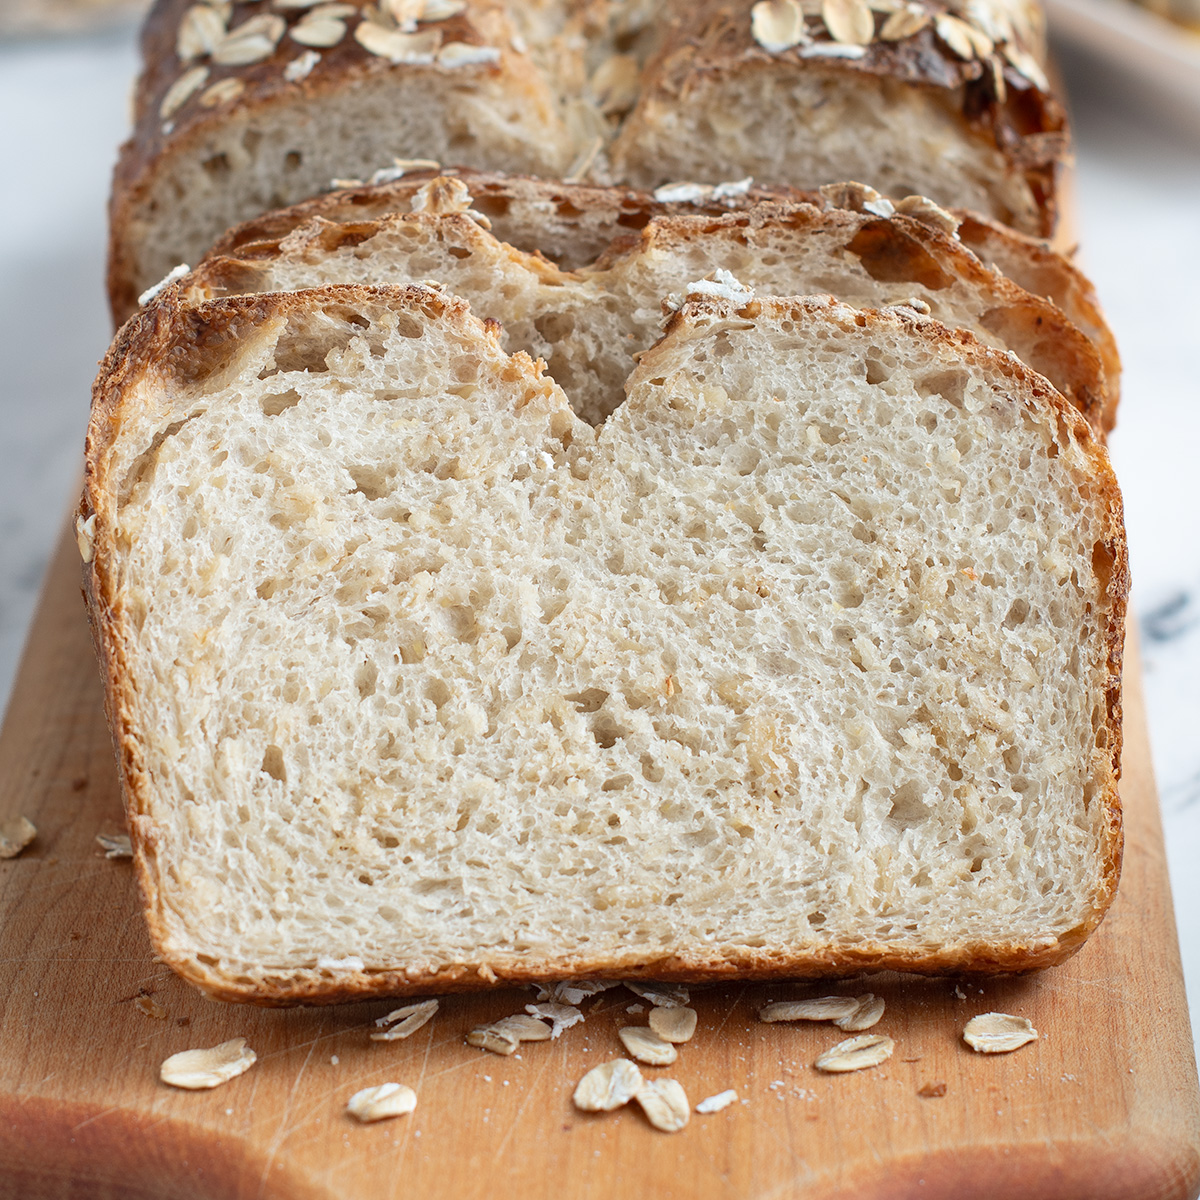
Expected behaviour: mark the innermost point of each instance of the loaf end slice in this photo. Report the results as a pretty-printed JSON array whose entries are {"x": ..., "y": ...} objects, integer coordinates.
[{"x": 806, "y": 661}]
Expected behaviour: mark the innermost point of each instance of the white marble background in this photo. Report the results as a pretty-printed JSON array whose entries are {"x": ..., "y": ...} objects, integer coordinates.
[{"x": 64, "y": 105}]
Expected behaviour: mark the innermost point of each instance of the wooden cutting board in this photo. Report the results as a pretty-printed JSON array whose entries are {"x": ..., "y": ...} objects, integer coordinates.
[{"x": 1103, "y": 1107}]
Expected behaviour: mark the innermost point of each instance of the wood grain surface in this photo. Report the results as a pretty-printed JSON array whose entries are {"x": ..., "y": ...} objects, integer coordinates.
[{"x": 1104, "y": 1106}]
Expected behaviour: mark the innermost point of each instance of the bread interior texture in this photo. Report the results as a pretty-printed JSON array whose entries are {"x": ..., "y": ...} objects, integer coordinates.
[{"x": 798, "y": 661}]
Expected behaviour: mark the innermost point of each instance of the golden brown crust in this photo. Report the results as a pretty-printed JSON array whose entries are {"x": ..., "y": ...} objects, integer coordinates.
[
  {"x": 166, "y": 338},
  {"x": 899, "y": 248}
]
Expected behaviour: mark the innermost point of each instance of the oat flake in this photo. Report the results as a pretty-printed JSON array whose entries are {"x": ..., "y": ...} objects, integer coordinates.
[
  {"x": 380, "y": 1103},
  {"x": 608, "y": 1086},
  {"x": 856, "y": 1054},
  {"x": 665, "y": 1104},
  {"x": 195, "y": 1070},
  {"x": 998, "y": 1033}
]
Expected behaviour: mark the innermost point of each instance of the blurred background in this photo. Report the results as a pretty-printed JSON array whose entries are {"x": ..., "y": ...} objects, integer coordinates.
[{"x": 1133, "y": 79}]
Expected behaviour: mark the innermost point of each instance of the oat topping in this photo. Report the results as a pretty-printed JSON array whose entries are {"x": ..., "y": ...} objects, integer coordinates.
[
  {"x": 301, "y": 66},
  {"x": 201, "y": 31},
  {"x": 856, "y": 1054},
  {"x": 856, "y": 197},
  {"x": 182, "y": 90},
  {"x": 396, "y": 45},
  {"x": 646, "y": 1046},
  {"x": 404, "y": 1022},
  {"x": 778, "y": 25},
  {"x": 15, "y": 834},
  {"x": 922, "y": 209},
  {"x": 904, "y": 23},
  {"x": 85, "y": 535},
  {"x": 320, "y": 28},
  {"x": 673, "y": 1024},
  {"x": 379, "y": 1103},
  {"x": 196, "y": 1070},
  {"x": 665, "y": 1104},
  {"x": 222, "y": 92},
  {"x": 832, "y": 50},
  {"x": 462, "y": 54},
  {"x": 250, "y": 42},
  {"x": 712, "y": 1104},
  {"x": 998, "y": 1033},
  {"x": 608, "y": 1086},
  {"x": 115, "y": 845},
  {"x": 848, "y": 21}
]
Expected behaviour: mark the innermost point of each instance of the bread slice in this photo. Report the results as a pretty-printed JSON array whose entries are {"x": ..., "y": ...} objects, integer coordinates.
[
  {"x": 589, "y": 325},
  {"x": 237, "y": 114},
  {"x": 806, "y": 661},
  {"x": 573, "y": 224}
]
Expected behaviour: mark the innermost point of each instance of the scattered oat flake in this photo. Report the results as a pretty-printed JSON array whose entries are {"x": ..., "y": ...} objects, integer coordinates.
[
  {"x": 646, "y": 1046},
  {"x": 778, "y": 25},
  {"x": 151, "y": 1007},
  {"x": 663, "y": 995},
  {"x": 819, "y": 1008},
  {"x": 196, "y": 1070},
  {"x": 856, "y": 1054},
  {"x": 486, "y": 1038},
  {"x": 563, "y": 1016},
  {"x": 115, "y": 845},
  {"x": 932, "y": 1091},
  {"x": 673, "y": 1024},
  {"x": 573, "y": 991},
  {"x": 665, "y": 1104},
  {"x": 380, "y": 1103},
  {"x": 712, "y": 1104},
  {"x": 848, "y": 21},
  {"x": 404, "y": 1022},
  {"x": 608, "y": 1086},
  {"x": 732, "y": 187},
  {"x": 523, "y": 1027},
  {"x": 680, "y": 193},
  {"x": 182, "y": 90},
  {"x": 868, "y": 1013},
  {"x": 998, "y": 1033},
  {"x": 15, "y": 834}
]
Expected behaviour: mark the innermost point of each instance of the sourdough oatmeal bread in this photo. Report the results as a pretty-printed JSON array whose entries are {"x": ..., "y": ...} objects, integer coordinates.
[
  {"x": 807, "y": 660},
  {"x": 248, "y": 106},
  {"x": 589, "y": 325}
]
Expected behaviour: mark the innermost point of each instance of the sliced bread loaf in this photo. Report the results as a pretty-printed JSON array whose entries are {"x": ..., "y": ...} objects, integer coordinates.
[
  {"x": 806, "y": 661},
  {"x": 240, "y": 109},
  {"x": 589, "y": 325}
]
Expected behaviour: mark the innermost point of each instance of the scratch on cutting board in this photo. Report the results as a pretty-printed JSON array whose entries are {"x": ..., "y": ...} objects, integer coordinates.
[
  {"x": 529, "y": 1090},
  {"x": 106, "y": 1112},
  {"x": 283, "y": 1129}
]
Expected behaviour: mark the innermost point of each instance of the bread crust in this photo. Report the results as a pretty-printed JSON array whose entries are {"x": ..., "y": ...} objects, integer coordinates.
[
  {"x": 989, "y": 100},
  {"x": 892, "y": 248},
  {"x": 168, "y": 339}
]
